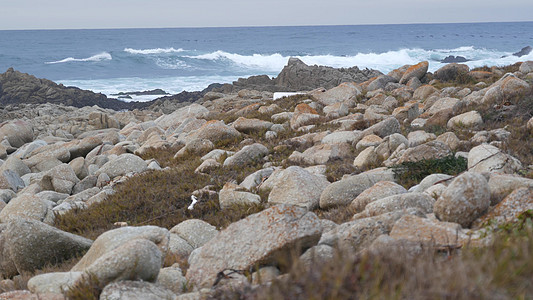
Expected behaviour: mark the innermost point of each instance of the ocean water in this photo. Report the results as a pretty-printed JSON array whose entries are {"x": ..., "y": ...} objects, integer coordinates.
[{"x": 178, "y": 59}]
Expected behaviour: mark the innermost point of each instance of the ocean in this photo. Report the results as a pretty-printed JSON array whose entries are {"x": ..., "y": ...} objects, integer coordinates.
[{"x": 177, "y": 59}]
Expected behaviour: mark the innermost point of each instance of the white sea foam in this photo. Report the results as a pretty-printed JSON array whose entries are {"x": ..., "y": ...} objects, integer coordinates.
[
  {"x": 383, "y": 62},
  {"x": 172, "y": 85},
  {"x": 98, "y": 57},
  {"x": 153, "y": 51}
]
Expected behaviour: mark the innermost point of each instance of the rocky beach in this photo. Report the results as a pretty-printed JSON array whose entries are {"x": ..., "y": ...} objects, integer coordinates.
[{"x": 411, "y": 184}]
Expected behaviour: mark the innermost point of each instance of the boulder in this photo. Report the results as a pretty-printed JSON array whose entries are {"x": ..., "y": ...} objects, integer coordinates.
[
  {"x": 11, "y": 180},
  {"x": 464, "y": 200},
  {"x": 254, "y": 180},
  {"x": 172, "y": 279},
  {"x": 112, "y": 239},
  {"x": 419, "y": 71},
  {"x": 356, "y": 235},
  {"x": 16, "y": 132},
  {"x": 488, "y": 158},
  {"x": 384, "y": 128},
  {"x": 450, "y": 72},
  {"x": 33, "y": 244},
  {"x": 136, "y": 290},
  {"x": 179, "y": 116},
  {"x": 420, "y": 201},
  {"x": 195, "y": 232},
  {"x": 56, "y": 282},
  {"x": 137, "y": 259},
  {"x": 340, "y": 93},
  {"x": 232, "y": 194},
  {"x": 339, "y": 137},
  {"x": 378, "y": 191},
  {"x": 366, "y": 159},
  {"x": 468, "y": 120},
  {"x": 296, "y": 186},
  {"x": 60, "y": 179},
  {"x": 419, "y": 137},
  {"x": 122, "y": 165},
  {"x": 526, "y": 67},
  {"x": 28, "y": 206},
  {"x": 429, "y": 150},
  {"x": 429, "y": 231},
  {"x": 215, "y": 131},
  {"x": 207, "y": 166},
  {"x": 344, "y": 191},
  {"x": 321, "y": 154},
  {"x": 247, "y": 155},
  {"x": 254, "y": 240},
  {"x": 423, "y": 92},
  {"x": 501, "y": 185},
  {"x": 380, "y": 82},
  {"x": 251, "y": 125},
  {"x": 16, "y": 165},
  {"x": 508, "y": 210}
]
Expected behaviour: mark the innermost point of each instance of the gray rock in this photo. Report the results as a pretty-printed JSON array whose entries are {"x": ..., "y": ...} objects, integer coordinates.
[
  {"x": 254, "y": 240},
  {"x": 110, "y": 240},
  {"x": 60, "y": 179},
  {"x": 378, "y": 191},
  {"x": 380, "y": 82},
  {"x": 344, "y": 191},
  {"x": 172, "y": 278},
  {"x": 464, "y": 200},
  {"x": 195, "y": 232},
  {"x": 255, "y": 179},
  {"x": 297, "y": 186},
  {"x": 384, "y": 128},
  {"x": 16, "y": 165},
  {"x": 429, "y": 150},
  {"x": 232, "y": 194},
  {"x": 501, "y": 185},
  {"x": 420, "y": 201},
  {"x": 178, "y": 247},
  {"x": 51, "y": 196},
  {"x": 247, "y": 155},
  {"x": 11, "y": 180},
  {"x": 137, "y": 259},
  {"x": 317, "y": 255},
  {"x": 16, "y": 132},
  {"x": 123, "y": 164},
  {"x": 28, "y": 206},
  {"x": 55, "y": 283},
  {"x": 33, "y": 244},
  {"x": 6, "y": 195},
  {"x": 488, "y": 158}
]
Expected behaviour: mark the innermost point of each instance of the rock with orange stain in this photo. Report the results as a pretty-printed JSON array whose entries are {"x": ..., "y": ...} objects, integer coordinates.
[
  {"x": 419, "y": 71},
  {"x": 255, "y": 240},
  {"x": 398, "y": 73},
  {"x": 508, "y": 210}
]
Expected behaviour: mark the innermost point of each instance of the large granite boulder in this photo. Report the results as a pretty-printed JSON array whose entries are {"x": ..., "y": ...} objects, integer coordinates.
[
  {"x": 110, "y": 240},
  {"x": 247, "y": 155},
  {"x": 464, "y": 200},
  {"x": 254, "y": 240},
  {"x": 32, "y": 244},
  {"x": 122, "y": 165},
  {"x": 488, "y": 158},
  {"x": 28, "y": 206},
  {"x": 296, "y": 186},
  {"x": 16, "y": 132}
]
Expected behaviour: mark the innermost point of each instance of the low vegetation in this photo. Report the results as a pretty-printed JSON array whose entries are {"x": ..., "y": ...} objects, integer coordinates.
[{"x": 411, "y": 173}]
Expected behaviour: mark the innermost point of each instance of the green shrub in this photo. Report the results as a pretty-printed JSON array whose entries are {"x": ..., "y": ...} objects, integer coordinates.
[{"x": 411, "y": 173}]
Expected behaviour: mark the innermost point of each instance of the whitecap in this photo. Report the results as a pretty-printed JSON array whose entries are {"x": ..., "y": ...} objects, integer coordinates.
[
  {"x": 98, "y": 57},
  {"x": 153, "y": 51}
]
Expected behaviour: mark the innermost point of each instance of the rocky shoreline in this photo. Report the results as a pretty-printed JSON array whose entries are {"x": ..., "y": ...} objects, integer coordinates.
[{"x": 321, "y": 174}]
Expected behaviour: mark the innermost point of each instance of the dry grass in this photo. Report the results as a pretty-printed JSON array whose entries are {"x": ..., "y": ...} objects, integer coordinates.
[{"x": 160, "y": 198}]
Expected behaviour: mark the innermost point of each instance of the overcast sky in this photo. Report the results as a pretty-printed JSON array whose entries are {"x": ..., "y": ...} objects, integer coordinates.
[{"x": 56, "y": 14}]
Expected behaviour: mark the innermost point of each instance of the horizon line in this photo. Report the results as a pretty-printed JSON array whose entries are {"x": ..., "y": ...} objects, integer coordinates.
[{"x": 265, "y": 26}]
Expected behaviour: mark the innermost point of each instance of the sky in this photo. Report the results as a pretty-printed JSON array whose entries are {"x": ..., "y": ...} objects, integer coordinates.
[{"x": 77, "y": 14}]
